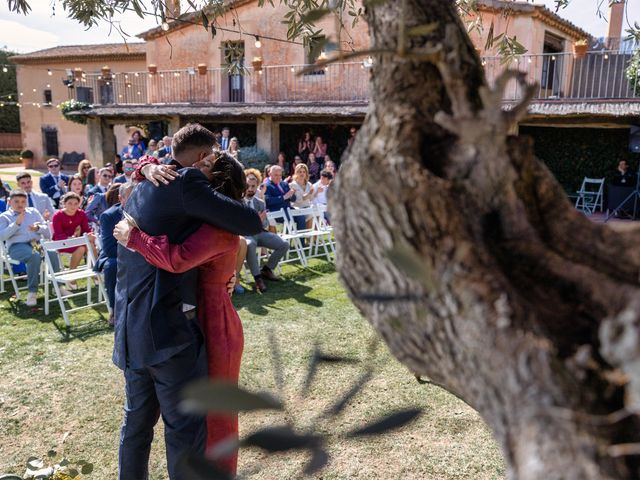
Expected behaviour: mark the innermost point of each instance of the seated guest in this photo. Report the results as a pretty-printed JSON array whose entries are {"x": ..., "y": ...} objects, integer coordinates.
[
  {"x": 83, "y": 170},
  {"x": 132, "y": 150},
  {"x": 153, "y": 148},
  {"x": 104, "y": 180},
  {"x": 128, "y": 167},
  {"x": 21, "y": 226},
  {"x": 320, "y": 189},
  {"x": 165, "y": 151},
  {"x": 303, "y": 189},
  {"x": 54, "y": 183},
  {"x": 117, "y": 164},
  {"x": 107, "y": 261},
  {"x": 330, "y": 166},
  {"x": 71, "y": 222},
  {"x": 264, "y": 239},
  {"x": 623, "y": 177},
  {"x": 91, "y": 179},
  {"x": 278, "y": 195},
  {"x": 37, "y": 200},
  {"x": 100, "y": 202},
  {"x": 282, "y": 162},
  {"x": 314, "y": 168},
  {"x": 297, "y": 160},
  {"x": 265, "y": 175},
  {"x": 75, "y": 186}
]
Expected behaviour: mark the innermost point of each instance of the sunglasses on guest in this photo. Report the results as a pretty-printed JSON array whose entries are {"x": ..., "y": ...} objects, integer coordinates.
[
  {"x": 54, "y": 165},
  {"x": 106, "y": 175}
]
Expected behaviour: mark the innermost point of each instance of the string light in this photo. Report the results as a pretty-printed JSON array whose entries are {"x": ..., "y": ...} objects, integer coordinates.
[
  {"x": 5, "y": 69},
  {"x": 165, "y": 26},
  {"x": 258, "y": 42},
  {"x": 49, "y": 72}
]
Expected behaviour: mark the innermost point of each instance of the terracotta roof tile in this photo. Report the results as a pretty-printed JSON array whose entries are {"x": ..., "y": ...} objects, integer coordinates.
[{"x": 88, "y": 52}]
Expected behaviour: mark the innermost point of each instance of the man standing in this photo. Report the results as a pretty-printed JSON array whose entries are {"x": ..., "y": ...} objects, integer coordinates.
[
  {"x": 264, "y": 239},
  {"x": 21, "y": 227},
  {"x": 37, "y": 200},
  {"x": 225, "y": 139},
  {"x": 158, "y": 342},
  {"x": 54, "y": 183}
]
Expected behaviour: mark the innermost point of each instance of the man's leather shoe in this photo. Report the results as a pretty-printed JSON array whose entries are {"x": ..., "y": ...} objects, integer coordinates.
[
  {"x": 267, "y": 273},
  {"x": 260, "y": 285}
]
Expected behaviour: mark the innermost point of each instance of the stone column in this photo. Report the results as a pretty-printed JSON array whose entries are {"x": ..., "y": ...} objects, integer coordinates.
[
  {"x": 174, "y": 125},
  {"x": 102, "y": 141},
  {"x": 268, "y": 135}
]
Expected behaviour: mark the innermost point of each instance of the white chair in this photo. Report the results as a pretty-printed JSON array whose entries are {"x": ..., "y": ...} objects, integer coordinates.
[
  {"x": 82, "y": 272},
  {"x": 314, "y": 236},
  {"x": 590, "y": 195},
  {"x": 323, "y": 225},
  {"x": 7, "y": 266},
  {"x": 294, "y": 239}
]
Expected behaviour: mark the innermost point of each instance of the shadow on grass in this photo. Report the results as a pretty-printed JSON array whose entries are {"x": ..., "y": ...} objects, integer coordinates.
[
  {"x": 84, "y": 323},
  {"x": 292, "y": 286}
]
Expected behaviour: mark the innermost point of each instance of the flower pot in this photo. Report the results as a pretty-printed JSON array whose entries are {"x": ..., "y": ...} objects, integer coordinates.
[
  {"x": 27, "y": 163},
  {"x": 580, "y": 51},
  {"x": 106, "y": 73},
  {"x": 153, "y": 69},
  {"x": 77, "y": 73},
  {"x": 257, "y": 65},
  {"x": 202, "y": 68}
]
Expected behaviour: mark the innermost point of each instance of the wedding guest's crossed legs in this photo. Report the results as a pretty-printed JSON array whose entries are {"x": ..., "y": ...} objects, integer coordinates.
[{"x": 155, "y": 391}]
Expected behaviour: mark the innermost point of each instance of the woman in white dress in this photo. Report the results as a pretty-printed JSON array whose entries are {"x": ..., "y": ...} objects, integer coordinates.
[{"x": 303, "y": 188}]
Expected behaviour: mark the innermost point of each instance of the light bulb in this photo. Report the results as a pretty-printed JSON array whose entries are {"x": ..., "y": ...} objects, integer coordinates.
[
  {"x": 165, "y": 26},
  {"x": 258, "y": 42},
  {"x": 49, "y": 72},
  {"x": 5, "y": 69}
]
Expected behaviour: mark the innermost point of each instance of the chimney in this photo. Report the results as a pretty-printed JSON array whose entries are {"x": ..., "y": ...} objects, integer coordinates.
[
  {"x": 172, "y": 9},
  {"x": 616, "y": 16}
]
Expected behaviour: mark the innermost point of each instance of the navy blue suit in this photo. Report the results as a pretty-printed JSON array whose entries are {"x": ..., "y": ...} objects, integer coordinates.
[
  {"x": 274, "y": 198},
  {"x": 158, "y": 345},
  {"x": 108, "y": 260},
  {"x": 49, "y": 186}
]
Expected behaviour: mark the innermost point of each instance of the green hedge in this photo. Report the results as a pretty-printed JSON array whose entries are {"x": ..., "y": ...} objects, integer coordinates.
[{"x": 574, "y": 153}]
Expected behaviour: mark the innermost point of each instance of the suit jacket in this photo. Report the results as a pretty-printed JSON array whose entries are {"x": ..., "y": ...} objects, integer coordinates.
[
  {"x": 42, "y": 202},
  {"x": 108, "y": 222},
  {"x": 48, "y": 184},
  {"x": 274, "y": 198},
  {"x": 150, "y": 326},
  {"x": 259, "y": 206}
]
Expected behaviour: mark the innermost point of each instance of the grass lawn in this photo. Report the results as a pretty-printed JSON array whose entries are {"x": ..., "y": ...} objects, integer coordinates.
[{"x": 52, "y": 388}]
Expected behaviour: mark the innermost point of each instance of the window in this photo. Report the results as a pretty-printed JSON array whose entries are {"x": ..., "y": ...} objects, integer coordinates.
[
  {"x": 48, "y": 98},
  {"x": 50, "y": 141}
]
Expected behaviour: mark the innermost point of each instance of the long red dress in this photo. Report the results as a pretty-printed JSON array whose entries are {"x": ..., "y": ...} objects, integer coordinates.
[{"x": 215, "y": 251}]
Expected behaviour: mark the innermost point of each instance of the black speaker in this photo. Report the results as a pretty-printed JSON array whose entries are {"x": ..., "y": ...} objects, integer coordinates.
[{"x": 634, "y": 139}]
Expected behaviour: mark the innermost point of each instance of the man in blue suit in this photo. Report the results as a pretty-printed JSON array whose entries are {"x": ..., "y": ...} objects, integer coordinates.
[
  {"x": 158, "y": 342},
  {"x": 108, "y": 260},
  {"x": 279, "y": 195},
  {"x": 54, "y": 183}
]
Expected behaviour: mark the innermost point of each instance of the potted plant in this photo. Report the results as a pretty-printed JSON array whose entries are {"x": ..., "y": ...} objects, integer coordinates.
[
  {"x": 26, "y": 157},
  {"x": 257, "y": 64},
  {"x": 202, "y": 68},
  {"x": 580, "y": 48},
  {"x": 153, "y": 69}
]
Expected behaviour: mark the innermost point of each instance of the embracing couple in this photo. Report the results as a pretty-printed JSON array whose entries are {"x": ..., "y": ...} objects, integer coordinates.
[{"x": 174, "y": 320}]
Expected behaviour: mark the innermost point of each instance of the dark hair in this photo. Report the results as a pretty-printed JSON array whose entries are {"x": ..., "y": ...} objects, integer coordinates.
[
  {"x": 17, "y": 193},
  {"x": 326, "y": 174},
  {"x": 22, "y": 175},
  {"x": 228, "y": 177},
  {"x": 112, "y": 196},
  {"x": 70, "y": 196},
  {"x": 191, "y": 136},
  {"x": 91, "y": 176}
]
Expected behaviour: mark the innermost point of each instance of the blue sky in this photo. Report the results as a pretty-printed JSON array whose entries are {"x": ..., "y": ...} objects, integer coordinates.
[{"x": 40, "y": 29}]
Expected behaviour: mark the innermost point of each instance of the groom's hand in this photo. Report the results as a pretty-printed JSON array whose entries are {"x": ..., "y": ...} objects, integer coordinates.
[
  {"x": 157, "y": 174},
  {"x": 231, "y": 284},
  {"x": 122, "y": 231}
]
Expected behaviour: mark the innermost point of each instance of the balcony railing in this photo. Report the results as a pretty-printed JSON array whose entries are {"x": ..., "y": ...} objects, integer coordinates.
[
  {"x": 599, "y": 75},
  {"x": 341, "y": 83}
]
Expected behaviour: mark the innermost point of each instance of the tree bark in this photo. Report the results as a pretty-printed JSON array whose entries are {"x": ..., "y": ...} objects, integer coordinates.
[{"x": 466, "y": 256}]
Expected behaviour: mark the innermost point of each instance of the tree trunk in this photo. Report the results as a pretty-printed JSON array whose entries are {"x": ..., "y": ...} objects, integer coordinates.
[{"x": 466, "y": 256}]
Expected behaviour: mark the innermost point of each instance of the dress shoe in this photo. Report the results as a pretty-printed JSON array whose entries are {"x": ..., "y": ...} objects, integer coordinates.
[
  {"x": 268, "y": 274},
  {"x": 260, "y": 285}
]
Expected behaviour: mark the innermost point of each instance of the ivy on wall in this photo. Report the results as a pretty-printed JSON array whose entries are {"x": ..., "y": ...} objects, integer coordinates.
[
  {"x": 574, "y": 153},
  {"x": 9, "y": 114}
]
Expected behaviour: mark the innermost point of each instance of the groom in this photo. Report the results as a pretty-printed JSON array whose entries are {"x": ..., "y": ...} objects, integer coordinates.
[{"x": 158, "y": 342}]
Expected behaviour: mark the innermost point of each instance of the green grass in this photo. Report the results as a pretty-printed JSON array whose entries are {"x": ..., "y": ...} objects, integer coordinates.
[{"x": 50, "y": 385}]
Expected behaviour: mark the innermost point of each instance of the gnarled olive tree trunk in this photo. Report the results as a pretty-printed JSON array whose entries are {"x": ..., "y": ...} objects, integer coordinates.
[{"x": 499, "y": 290}]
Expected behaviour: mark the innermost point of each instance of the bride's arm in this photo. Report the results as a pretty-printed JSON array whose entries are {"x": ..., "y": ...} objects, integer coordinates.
[{"x": 206, "y": 244}]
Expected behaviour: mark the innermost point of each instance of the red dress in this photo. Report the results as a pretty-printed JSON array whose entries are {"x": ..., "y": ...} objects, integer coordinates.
[
  {"x": 64, "y": 226},
  {"x": 215, "y": 251}
]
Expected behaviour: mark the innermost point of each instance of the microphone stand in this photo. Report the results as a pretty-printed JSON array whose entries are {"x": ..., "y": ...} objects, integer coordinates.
[{"x": 635, "y": 195}]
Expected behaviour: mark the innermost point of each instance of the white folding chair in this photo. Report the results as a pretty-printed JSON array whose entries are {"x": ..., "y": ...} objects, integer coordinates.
[
  {"x": 294, "y": 239},
  {"x": 7, "y": 266},
  {"x": 322, "y": 225},
  {"x": 590, "y": 197},
  {"x": 314, "y": 236},
  {"x": 81, "y": 272}
]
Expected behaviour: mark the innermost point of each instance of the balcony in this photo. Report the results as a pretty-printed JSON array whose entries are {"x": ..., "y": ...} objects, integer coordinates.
[{"x": 560, "y": 77}]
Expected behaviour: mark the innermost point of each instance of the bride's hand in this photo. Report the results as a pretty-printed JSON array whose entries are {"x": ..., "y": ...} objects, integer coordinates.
[
  {"x": 159, "y": 173},
  {"x": 122, "y": 231}
]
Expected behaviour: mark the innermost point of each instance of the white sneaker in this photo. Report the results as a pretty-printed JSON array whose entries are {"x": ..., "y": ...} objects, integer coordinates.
[{"x": 32, "y": 299}]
